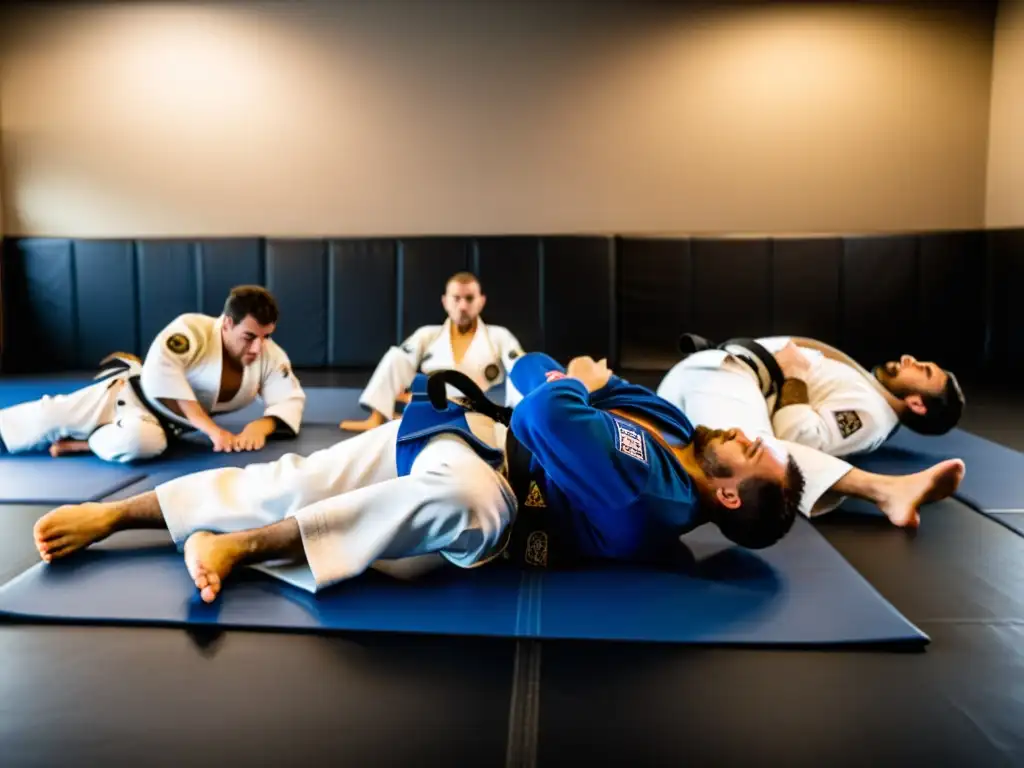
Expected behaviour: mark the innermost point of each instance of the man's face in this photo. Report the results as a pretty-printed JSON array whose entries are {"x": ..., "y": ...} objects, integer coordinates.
[
  {"x": 728, "y": 457},
  {"x": 244, "y": 341},
  {"x": 907, "y": 376},
  {"x": 463, "y": 302}
]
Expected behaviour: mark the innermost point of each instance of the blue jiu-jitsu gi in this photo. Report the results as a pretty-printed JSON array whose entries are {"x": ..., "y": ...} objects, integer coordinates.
[{"x": 602, "y": 485}]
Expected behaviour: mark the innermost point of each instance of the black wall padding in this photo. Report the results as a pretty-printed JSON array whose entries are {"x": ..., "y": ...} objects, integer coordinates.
[
  {"x": 425, "y": 264},
  {"x": 951, "y": 312},
  {"x": 297, "y": 276},
  {"x": 805, "y": 288},
  {"x": 1006, "y": 322},
  {"x": 39, "y": 304},
  {"x": 106, "y": 303},
  {"x": 732, "y": 288},
  {"x": 362, "y": 315},
  {"x": 880, "y": 297},
  {"x": 223, "y": 264},
  {"x": 168, "y": 285},
  {"x": 579, "y": 298},
  {"x": 509, "y": 272},
  {"x": 655, "y": 287}
]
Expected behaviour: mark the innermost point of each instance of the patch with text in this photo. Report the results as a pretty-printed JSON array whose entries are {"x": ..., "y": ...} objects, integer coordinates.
[
  {"x": 849, "y": 422},
  {"x": 631, "y": 441}
]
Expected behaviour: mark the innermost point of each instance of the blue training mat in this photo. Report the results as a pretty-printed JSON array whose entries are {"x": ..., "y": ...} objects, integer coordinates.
[
  {"x": 41, "y": 479},
  {"x": 801, "y": 592},
  {"x": 993, "y": 483}
]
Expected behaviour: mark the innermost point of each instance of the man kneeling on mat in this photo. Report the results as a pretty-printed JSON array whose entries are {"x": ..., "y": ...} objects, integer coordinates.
[{"x": 588, "y": 467}]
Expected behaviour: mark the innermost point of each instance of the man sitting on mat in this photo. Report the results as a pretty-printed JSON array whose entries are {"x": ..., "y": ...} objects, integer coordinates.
[
  {"x": 485, "y": 353},
  {"x": 198, "y": 365},
  {"x": 589, "y": 467},
  {"x": 822, "y": 406}
]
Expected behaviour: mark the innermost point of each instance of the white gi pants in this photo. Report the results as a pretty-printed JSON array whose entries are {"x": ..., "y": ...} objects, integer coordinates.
[
  {"x": 392, "y": 376},
  {"x": 352, "y": 508},
  {"x": 727, "y": 395},
  {"x": 118, "y": 427}
]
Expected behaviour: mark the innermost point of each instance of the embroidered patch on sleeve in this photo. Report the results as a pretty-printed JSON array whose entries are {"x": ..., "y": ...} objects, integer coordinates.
[
  {"x": 631, "y": 441},
  {"x": 849, "y": 422},
  {"x": 178, "y": 343}
]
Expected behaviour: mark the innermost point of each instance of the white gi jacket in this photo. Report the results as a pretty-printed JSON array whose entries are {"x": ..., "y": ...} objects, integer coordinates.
[
  {"x": 488, "y": 360},
  {"x": 185, "y": 360}
]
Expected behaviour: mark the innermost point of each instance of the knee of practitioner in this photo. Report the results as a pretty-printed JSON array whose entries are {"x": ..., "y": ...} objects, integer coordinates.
[
  {"x": 128, "y": 439},
  {"x": 464, "y": 342}
]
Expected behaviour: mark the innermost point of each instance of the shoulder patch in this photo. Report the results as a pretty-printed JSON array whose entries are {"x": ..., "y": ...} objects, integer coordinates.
[
  {"x": 631, "y": 441},
  {"x": 286, "y": 371},
  {"x": 849, "y": 422},
  {"x": 514, "y": 354},
  {"x": 491, "y": 372},
  {"x": 178, "y": 343}
]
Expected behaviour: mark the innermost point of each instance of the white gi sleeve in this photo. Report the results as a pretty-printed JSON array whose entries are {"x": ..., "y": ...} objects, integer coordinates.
[
  {"x": 280, "y": 389},
  {"x": 831, "y": 428},
  {"x": 170, "y": 355}
]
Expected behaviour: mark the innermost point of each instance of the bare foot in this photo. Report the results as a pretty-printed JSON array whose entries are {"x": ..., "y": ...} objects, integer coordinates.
[
  {"x": 72, "y": 527},
  {"x": 375, "y": 420},
  {"x": 64, "y": 447},
  {"x": 908, "y": 493},
  {"x": 209, "y": 558}
]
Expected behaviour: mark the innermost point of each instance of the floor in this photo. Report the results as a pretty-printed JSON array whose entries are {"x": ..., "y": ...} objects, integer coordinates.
[{"x": 89, "y": 695}]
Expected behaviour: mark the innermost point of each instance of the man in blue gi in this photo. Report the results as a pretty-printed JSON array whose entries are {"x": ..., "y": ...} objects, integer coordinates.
[{"x": 590, "y": 466}]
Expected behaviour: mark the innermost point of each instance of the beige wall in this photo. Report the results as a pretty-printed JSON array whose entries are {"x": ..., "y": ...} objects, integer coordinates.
[
  {"x": 486, "y": 116},
  {"x": 1005, "y": 204}
]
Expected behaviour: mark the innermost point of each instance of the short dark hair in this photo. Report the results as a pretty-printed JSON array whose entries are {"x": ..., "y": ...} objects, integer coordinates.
[
  {"x": 767, "y": 509},
  {"x": 245, "y": 300},
  {"x": 942, "y": 411},
  {"x": 463, "y": 278}
]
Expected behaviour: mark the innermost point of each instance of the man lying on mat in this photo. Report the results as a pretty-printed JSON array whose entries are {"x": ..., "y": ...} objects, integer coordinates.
[
  {"x": 830, "y": 402},
  {"x": 198, "y": 365},
  {"x": 590, "y": 467},
  {"x": 821, "y": 405},
  {"x": 485, "y": 353}
]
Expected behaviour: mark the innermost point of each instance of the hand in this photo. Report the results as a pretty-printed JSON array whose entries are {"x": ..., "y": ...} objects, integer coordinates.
[
  {"x": 793, "y": 362},
  {"x": 253, "y": 437},
  {"x": 222, "y": 440},
  {"x": 594, "y": 375}
]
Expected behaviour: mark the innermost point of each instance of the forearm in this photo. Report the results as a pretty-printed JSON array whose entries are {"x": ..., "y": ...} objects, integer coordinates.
[
  {"x": 265, "y": 426},
  {"x": 830, "y": 352},
  {"x": 197, "y": 416}
]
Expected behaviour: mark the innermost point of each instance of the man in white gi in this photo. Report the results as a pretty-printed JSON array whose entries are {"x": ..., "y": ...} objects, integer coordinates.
[
  {"x": 828, "y": 407},
  {"x": 485, "y": 353},
  {"x": 198, "y": 365}
]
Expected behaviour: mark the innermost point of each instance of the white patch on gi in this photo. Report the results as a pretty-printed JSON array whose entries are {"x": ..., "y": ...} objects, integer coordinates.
[{"x": 631, "y": 441}]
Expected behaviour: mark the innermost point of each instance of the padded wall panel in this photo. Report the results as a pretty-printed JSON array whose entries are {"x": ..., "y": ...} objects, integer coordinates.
[
  {"x": 951, "y": 310},
  {"x": 363, "y": 295},
  {"x": 732, "y": 288},
  {"x": 106, "y": 301},
  {"x": 578, "y": 298},
  {"x": 880, "y": 297},
  {"x": 1006, "y": 321},
  {"x": 424, "y": 266},
  {"x": 297, "y": 276},
  {"x": 39, "y": 280},
  {"x": 805, "y": 288},
  {"x": 168, "y": 285},
  {"x": 223, "y": 264},
  {"x": 509, "y": 272},
  {"x": 655, "y": 300}
]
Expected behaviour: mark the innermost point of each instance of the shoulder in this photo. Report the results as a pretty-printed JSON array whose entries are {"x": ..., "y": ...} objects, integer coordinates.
[{"x": 185, "y": 335}]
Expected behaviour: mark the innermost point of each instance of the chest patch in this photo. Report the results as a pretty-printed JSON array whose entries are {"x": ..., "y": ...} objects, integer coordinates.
[
  {"x": 631, "y": 441},
  {"x": 849, "y": 422}
]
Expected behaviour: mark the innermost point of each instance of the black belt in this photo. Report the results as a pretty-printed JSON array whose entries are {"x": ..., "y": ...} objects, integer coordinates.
[
  {"x": 747, "y": 351},
  {"x": 172, "y": 429},
  {"x": 531, "y": 542}
]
